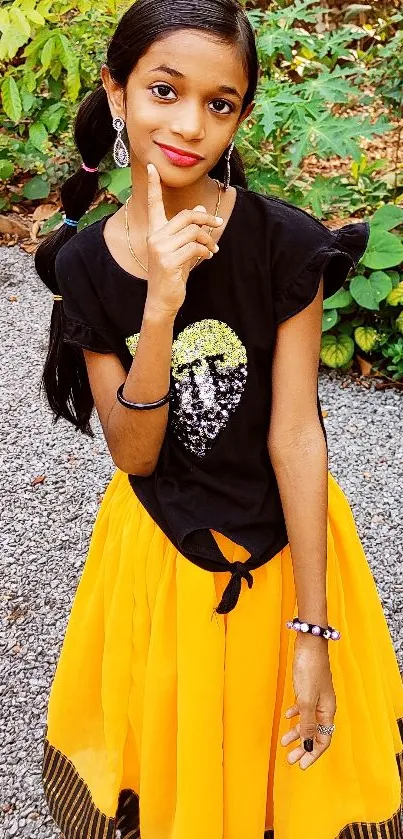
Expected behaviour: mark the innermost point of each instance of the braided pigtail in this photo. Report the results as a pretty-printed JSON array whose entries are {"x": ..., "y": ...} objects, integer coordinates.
[{"x": 65, "y": 378}]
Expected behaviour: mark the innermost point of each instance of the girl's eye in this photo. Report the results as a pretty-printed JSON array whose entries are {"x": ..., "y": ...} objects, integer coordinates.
[
  {"x": 166, "y": 88},
  {"x": 223, "y": 102}
]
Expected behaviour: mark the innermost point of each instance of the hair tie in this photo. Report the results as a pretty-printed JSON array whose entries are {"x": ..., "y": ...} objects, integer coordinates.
[
  {"x": 88, "y": 168},
  {"x": 71, "y": 221},
  {"x": 57, "y": 297}
]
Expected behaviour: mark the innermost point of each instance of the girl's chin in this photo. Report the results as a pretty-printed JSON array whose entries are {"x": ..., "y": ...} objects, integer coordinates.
[{"x": 176, "y": 176}]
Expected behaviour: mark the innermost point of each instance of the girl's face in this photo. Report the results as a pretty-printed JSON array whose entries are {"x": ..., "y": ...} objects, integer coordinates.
[{"x": 186, "y": 91}]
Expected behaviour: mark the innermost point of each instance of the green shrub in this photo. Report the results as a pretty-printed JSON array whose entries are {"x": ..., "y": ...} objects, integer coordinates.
[{"x": 50, "y": 58}]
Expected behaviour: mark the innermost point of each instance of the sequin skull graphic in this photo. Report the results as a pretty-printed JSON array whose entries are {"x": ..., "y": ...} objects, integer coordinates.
[{"x": 209, "y": 371}]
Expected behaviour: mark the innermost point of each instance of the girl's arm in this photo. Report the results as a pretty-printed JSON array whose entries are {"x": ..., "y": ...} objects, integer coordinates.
[
  {"x": 298, "y": 453},
  {"x": 134, "y": 438}
]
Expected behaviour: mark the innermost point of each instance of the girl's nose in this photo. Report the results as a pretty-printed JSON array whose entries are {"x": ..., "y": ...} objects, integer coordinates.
[{"x": 189, "y": 123}]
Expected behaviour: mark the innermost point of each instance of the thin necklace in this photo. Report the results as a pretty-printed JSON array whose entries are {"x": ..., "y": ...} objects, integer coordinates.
[{"x": 128, "y": 232}]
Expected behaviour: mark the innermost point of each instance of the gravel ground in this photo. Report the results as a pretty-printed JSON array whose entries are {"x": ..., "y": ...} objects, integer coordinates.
[{"x": 46, "y": 527}]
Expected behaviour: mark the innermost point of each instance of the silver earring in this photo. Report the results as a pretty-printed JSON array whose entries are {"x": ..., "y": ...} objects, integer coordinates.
[
  {"x": 228, "y": 167},
  {"x": 120, "y": 153}
]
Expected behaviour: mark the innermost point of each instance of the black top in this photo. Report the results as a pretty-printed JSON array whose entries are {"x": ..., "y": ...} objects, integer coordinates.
[{"x": 214, "y": 469}]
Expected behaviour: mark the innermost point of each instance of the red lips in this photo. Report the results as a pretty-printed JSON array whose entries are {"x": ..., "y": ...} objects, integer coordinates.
[{"x": 182, "y": 152}]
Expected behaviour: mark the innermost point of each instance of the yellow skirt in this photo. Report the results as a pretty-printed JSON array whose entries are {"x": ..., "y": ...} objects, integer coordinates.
[{"x": 165, "y": 722}]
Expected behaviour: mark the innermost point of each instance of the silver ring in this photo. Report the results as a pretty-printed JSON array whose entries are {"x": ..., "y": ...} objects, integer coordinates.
[{"x": 325, "y": 729}]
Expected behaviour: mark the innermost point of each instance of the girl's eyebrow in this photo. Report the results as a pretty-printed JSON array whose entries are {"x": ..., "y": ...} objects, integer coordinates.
[{"x": 172, "y": 72}]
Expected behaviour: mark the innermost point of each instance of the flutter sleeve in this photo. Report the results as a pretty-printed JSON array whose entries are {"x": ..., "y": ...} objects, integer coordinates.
[
  {"x": 85, "y": 321},
  {"x": 304, "y": 250}
]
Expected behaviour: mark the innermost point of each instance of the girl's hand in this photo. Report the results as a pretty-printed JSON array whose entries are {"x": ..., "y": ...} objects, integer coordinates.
[
  {"x": 315, "y": 699},
  {"x": 173, "y": 246}
]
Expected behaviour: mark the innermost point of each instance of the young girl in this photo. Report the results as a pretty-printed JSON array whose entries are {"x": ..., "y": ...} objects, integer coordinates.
[{"x": 184, "y": 706}]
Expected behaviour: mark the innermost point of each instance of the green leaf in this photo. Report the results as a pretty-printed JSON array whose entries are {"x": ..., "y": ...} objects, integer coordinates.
[
  {"x": 20, "y": 23},
  {"x": 27, "y": 99},
  {"x": 329, "y": 319},
  {"x": 395, "y": 277},
  {"x": 6, "y": 169},
  {"x": 36, "y": 188},
  {"x": 331, "y": 86},
  {"x": 399, "y": 323},
  {"x": 55, "y": 73},
  {"x": 336, "y": 350},
  {"x": 34, "y": 15},
  {"x": 103, "y": 209},
  {"x": 269, "y": 116},
  {"x": 12, "y": 40},
  {"x": 395, "y": 297},
  {"x": 64, "y": 50},
  {"x": 38, "y": 136},
  {"x": 73, "y": 81},
  {"x": 330, "y": 136},
  {"x": 338, "y": 300},
  {"x": 11, "y": 99},
  {"x": 123, "y": 196},
  {"x": 51, "y": 116},
  {"x": 369, "y": 291},
  {"x": 276, "y": 42},
  {"x": 29, "y": 80},
  {"x": 366, "y": 337},
  {"x": 388, "y": 216},
  {"x": 118, "y": 180},
  {"x": 35, "y": 45},
  {"x": 384, "y": 249},
  {"x": 47, "y": 53},
  {"x": 51, "y": 223},
  {"x": 255, "y": 17}
]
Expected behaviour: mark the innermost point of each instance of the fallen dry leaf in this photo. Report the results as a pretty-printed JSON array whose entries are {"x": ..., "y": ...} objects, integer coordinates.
[
  {"x": 29, "y": 247},
  {"x": 17, "y": 612},
  {"x": 13, "y": 226},
  {"x": 34, "y": 230},
  {"x": 364, "y": 365},
  {"x": 44, "y": 211},
  {"x": 38, "y": 480}
]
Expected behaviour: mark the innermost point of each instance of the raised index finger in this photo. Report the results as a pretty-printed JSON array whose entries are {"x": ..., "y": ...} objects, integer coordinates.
[{"x": 156, "y": 210}]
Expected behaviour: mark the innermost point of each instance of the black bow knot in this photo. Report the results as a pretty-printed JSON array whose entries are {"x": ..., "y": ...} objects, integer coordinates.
[{"x": 232, "y": 591}]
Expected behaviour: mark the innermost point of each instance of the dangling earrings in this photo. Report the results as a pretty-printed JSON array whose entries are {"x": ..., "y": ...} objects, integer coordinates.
[
  {"x": 228, "y": 167},
  {"x": 120, "y": 153}
]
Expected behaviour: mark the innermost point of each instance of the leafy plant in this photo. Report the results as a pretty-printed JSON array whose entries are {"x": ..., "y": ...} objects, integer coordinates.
[
  {"x": 312, "y": 80},
  {"x": 368, "y": 315},
  {"x": 308, "y": 77},
  {"x": 45, "y": 71}
]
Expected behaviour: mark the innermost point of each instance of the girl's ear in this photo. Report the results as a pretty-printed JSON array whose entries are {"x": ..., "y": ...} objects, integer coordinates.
[
  {"x": 114, "y": 93},
  {"x": 247, "y": 111}
]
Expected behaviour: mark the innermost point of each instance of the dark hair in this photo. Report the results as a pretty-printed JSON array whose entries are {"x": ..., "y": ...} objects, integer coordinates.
[{"x": 65, "y": 378}]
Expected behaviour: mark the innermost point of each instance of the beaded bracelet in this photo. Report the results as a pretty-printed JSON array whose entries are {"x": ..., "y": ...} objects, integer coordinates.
[{"x": 329, "y": 632}]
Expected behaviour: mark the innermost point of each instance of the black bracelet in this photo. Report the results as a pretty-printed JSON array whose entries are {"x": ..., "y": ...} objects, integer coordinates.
[{"x": 141, "y": 406}]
